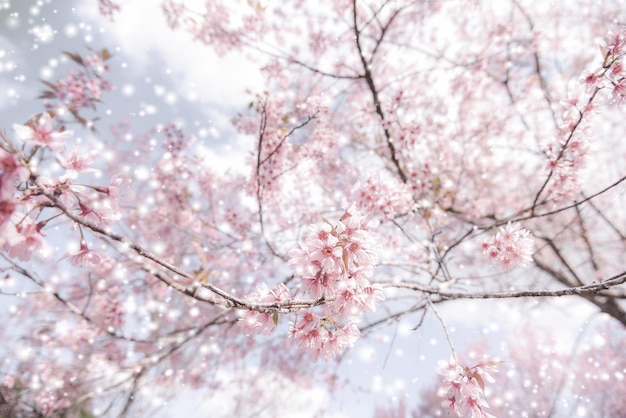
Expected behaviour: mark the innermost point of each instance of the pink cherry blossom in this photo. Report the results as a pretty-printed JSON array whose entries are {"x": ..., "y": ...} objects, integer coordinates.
[
  {"x": 108, "y": 312},
  {"x": 11, "y": 173},
  {"x": 591, "y": 80},
  {"x": 463, "y": 387},
  {"x": 76, "y": 162},
  {"x": 42, "y": 133},
  {"x": 511, "y": 247},
  {"x": 252, "y": 322},
  {"x": 29, "y": 239},
  {"x": 324, "y": 249},
  {"x": 322, "y": 336},
  {"x": 618, "y": 91},
  {"x": 108, "y": 8},
  {"x": 224, "y": 260},
  {"x": 85, "y": 257}
]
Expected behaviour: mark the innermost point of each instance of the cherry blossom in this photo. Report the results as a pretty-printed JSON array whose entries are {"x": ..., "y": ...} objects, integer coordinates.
[
  {"x": 12, "y": 173},
  {"x": 370, "y": 164},
  {"x": 26, "y": 240},
  {"x": 464, "y": 387},
  {"x": 511, "y": 247},
  {"x": 252, "y": 322},
  {"x": 322, "y": 337},
  {"x": 84, "y": 257},
  {"x": 42, "y": 133},
  {"x": 77, "y": 162}
]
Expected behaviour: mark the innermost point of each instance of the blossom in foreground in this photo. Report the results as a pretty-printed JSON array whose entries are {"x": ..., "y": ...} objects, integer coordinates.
[
  {"x": 10, "y": 171},
  {"x": 42, "y": 133},
  {"x": 464, "y": 387},
  {"x": 27, "y": 239},
  {"x": 334, "y": 262},
  {"x": 334, "y": 253},
  {"x": 511, "y": 247},
  {"x": 322, "y": 336}
]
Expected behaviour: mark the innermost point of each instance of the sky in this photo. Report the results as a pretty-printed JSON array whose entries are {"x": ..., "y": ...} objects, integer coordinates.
[{"x": 162, "y": 77}]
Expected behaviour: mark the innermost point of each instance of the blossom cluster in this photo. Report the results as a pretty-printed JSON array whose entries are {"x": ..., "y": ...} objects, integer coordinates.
[
  {"x": 84, "y": 87},
  {"x": 511, "y": 247},
  {"x": 334, "y": 264},
  {"x": 464, "y": 387},
  {"x": 385, "y": 195},
  {"x": 253, "y": 321},
  {"x": 108, "y": 8},
  {"x": 22, "y": 186},
  {"x": 615, "y": 74},
  {"x": 323, "y": 336},
  {"x": 567, "y": 157},
  {"x": 566, "y": 165},
  {"x": 42, "y": 133},
  {"x": 611, "y": 74}
]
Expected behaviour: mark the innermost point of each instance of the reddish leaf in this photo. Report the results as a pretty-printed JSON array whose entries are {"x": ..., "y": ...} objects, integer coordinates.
[
  {"x": 49, "y": 84},
  {"x": 74, "y": 57},
  {"x": 105, "y": 54}
]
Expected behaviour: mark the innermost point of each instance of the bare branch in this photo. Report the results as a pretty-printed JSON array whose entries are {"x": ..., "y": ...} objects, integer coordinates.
[{"x": 589, "y": 289}]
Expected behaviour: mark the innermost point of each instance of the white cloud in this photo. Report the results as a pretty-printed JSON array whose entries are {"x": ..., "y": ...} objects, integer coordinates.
[
  {"x": 250, "y": 393},
  {"x": 145, "y": 40}
]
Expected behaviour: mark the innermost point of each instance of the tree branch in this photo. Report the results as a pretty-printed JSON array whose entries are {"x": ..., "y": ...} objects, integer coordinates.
[
  {"x": 374, "y": 91},
  {"x": 589, "y": 289}
]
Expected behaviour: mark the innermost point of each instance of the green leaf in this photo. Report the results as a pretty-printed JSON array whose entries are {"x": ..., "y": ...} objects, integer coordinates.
[
  {"x": 85, "y": 414},
  {"x": 275, "y": 318}
]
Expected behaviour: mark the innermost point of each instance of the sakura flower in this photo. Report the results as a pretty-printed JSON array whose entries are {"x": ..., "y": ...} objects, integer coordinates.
[
  {"x": 346, "y": 304},
  {"x": 94, "y": 88},
  {"x": 42, "y": 133},
  {"x": 108, "y": 8},
  {"x": 77, "y": 162},
  {"x": 370, "y": 296},
  {"x": 319, "y": 103},
  {"x": 28, "y": 240},
  {"x": 618, "y": 92},
  {"x": 355, "y": 295},
  {"x": 339, "y": 340},
  {"x": 383, "y": 194},
  {"x": 101, "y": 212},
  {"x": 112, "y": 193},
  {"x": 96, "y": 63},
  {"x": 10, "y": 172},
  {"x": 108, "y": 312},
  {"x": 320, "y": 285},
  {"x": 333, "y": 250},
  {"x": 252, "y": 321},
  {"x": 326, "y": 252},
  {"x": 463, "y": 387},
  {"x": 84, "y": 257},
  {"x": 591, "y": 80},
  {"x": 322, "y": 336},
  {"x": 617, "y": 70},
  {"x": 511, "y": 247},
  {"x": 9, "y": 235},
  {"x": 615, "y": 42}
]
